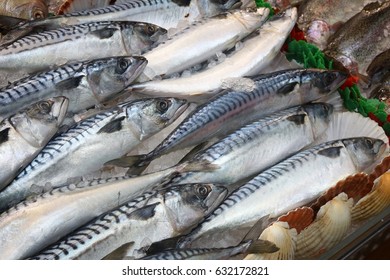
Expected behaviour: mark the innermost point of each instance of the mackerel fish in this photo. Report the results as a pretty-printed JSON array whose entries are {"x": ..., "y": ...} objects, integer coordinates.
[
  {"x": 24, "y": 134},
  {"x": 321, "y": 20},
  {"x": 231, "y": 109},
  {"x": 69, "y": 207},
  {"x": 165, "y": 13},
  {"x": 85, "y": 84},
  {"x": 87, "y": 145},
  {"x": 291, "y": 183},
  {"x": 257, "y": 52},
  {"x": 366, "y": 35},
  {"x": 167, "y": 213},
  {"x": 261, "y": 144},
  {"x": 91, "y": 40},
  {"x": 201, "y": 41}
]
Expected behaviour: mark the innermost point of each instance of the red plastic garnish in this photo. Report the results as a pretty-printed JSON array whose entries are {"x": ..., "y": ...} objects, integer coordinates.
[
  {"x": 349, "y": 82},
  {"x": 374, "y": 118}
]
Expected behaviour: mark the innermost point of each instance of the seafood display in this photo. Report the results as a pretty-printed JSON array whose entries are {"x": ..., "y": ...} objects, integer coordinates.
[{"x": 191, "y": 129}]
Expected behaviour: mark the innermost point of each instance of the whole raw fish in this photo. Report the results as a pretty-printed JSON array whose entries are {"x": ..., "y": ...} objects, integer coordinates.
[
  {"x": 86, "y": 146},
  {"x": 291, "y": 183},
  {"x": 91, "y": 40},
  {"x": 166, "y": 213},
  {"x": 24, "y": 134},
  {"x": 85, "y": 84},
  {"x": 366, "y": 35}
]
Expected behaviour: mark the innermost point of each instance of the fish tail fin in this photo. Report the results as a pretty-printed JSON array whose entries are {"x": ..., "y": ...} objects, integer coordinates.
[{"x": 197, "y": 166}]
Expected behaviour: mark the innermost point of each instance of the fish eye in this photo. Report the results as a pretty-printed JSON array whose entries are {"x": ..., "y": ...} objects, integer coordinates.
[
  {"x": 38, "y": 15},
  {"x": 150, "y": 29},
  {"x": 163, "y": 105},
  {"x": 369, "y": 143},
  {"x": 122, "y": 66},
  {"x": 203, "y": 191},
  {"x": 45, "y": 106}
]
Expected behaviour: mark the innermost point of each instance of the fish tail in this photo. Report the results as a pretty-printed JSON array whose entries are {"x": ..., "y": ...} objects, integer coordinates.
[{"x": 136, "y": 164}]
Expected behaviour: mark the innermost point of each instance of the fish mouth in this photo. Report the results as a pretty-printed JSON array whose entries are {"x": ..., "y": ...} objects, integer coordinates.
[
  {"x": 216, "y": 198},
  {"x": 138, "y": 66},
  {"x": 60, "y": 108},
  {"x": 182, "y": 106}
]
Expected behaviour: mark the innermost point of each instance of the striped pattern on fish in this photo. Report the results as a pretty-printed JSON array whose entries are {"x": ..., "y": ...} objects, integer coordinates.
[
  {"x": 167, "y": 213},
  {"x": 261, "y": 144},
  {"x": 285, "y": 186},
  {"x": 64, "y": 156}
]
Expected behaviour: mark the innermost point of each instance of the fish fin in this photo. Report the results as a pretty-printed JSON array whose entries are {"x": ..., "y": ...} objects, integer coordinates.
[
  {"x": 113, "y": 126},
  {"x": 4, "y": 135},
  {"x": 262, "y": 246},
  {"x": 193, "y": 152},
  {"x": 119, "y": 253},
  {"x": 202, "y": 165},
  {"x": 104, "y": 33},
  {"x": 335, "y": 100},
  {"x": 166, "y": 244},
  {"x": 69, "y": 84},
  {"x": 287, "y": 88},
  {"x": 351, "y": 124},
  {"x": 144, "y": 213},
  {"x": 297, "y": 119},
  {"x": 8, "y": 22},
  {"x": 131, "y": 162},
  {"x": 331, "y": 152},
  {"x": 257, "y": 229}
]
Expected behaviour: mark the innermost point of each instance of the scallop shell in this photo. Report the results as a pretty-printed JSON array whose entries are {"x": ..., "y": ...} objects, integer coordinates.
[
  {"x": 70, "y": 6},
  {"x": 282, "y": 236},
  {"x": 299, "y": 218},
  {"x": 330, "y": 226},
  {"x": 374, "y": 202}
]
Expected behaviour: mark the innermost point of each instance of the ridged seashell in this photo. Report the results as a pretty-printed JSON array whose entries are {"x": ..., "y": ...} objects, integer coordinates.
[
  {"x": 70, "y": 6},
  {"x": 282, "y": 236},
  {"x": 374, "y": 202},
  {"x": 330, "y": 226},
  {"x": 299, "y": 218},
  {"x": 355, "y": 186}
]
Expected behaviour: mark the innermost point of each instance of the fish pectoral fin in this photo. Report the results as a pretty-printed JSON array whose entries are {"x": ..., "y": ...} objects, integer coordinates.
[
  {"x": 287, "y": 88},
  {"x": 198, "y": 166},
  {"x": 113, "y": 126},
  {"x": 69, "y": 84},
  {"x": 166, "y": 244},
  {"x": 144, "y": 213},
  {"x": 193, "y": 152},
  {"x": 104, "y": 33},
  {"x": 120, "y": 253},
  {"x": 4, "y": 135},
  {"x": 257, "y": 228},
  {"x": 262, "y": 246}
]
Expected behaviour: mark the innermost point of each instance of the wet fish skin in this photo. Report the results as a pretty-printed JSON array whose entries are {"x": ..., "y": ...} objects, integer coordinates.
[
  {"x": 259, "y": 145},
  {"x": 257, "y": 53},
  {"x": 25, "y": 133},
  {"x": 164, "y": 13},
  {"x": 166, "y": 213},
  {"x": 92, "y": 40},
  {"x": 68, "y": 155},
  {"x": 366, "y": 35},
  {"x": 321, "y": 20},
  {"x": 285, "y": 186},
  {"x": 201, "y": 41},
  {"x": 26, "y": 9},
  {"x": 85, "y": 84},
  {"x": 232, "y": 109}
]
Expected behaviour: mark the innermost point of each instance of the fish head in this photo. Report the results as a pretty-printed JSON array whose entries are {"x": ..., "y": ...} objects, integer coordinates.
[
  {"x": 40, "y": 121},
  {"x": 318, "y": 33},
  {"x": 153, "y": 114},
  {"x": 192, "y": 202},
  {"x": 319, "y": 115},
  {"x": 36, "y": 9},
  {"x": 111, "y": 75},
  {"x": 326, "y": 82},
  {"x": 144, "y": 36},
  {"x": 341, "y": 61},
  {"x": 251, "y": 18},
  {"x": 365, "y": 151}
]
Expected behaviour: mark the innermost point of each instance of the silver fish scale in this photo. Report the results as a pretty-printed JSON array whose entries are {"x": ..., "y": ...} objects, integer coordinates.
[
  {"x": 95, "y": 228},
  {"x": 117, "y": 8},
  {"x": 33, "y": 84},
  {"x": 65, "y": 189},
  {"x": 57, "y": 35},
  {"x": 56, "y": 145},
  {"x": 269, "y": 175}
]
